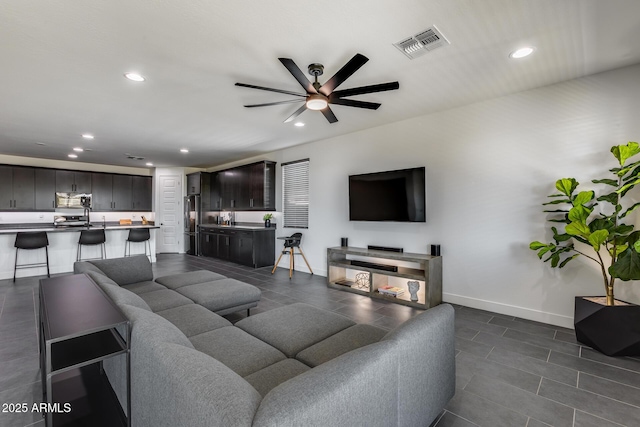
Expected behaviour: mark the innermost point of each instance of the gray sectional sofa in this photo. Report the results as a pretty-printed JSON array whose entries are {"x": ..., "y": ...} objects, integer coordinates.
[{"x": 296, "y": 365}]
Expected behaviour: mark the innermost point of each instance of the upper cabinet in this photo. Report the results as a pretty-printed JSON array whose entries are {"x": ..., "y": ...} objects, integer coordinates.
[
  {"x": 200, "y": 183},
  {"x": 111, "y": 192},
  {"x": 142, "y": 193},
  {"x": 25, "y": 188},
  {"x": 244, "y": 188},
  {"x": 73, "y": 181},
  {"x": 17, "y": 188}
]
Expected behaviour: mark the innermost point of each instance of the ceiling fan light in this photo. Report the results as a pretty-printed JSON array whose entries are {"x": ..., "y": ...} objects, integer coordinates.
[{"x": 316, "y": 102}]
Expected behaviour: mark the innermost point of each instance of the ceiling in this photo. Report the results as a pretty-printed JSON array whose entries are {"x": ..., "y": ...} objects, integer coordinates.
[{"x": 63, "y": 64}]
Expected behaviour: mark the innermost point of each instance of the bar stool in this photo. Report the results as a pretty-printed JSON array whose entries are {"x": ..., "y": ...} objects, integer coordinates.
[
  {"x": 31, "y": 240},
  {"x": 92, "y": 238},
  {"x": 138, "y": 235},
  {"x": 290, "y": 243}
]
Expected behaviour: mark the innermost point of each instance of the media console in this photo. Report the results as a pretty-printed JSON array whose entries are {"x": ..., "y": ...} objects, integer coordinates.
[{"x": 384, "y": 268}]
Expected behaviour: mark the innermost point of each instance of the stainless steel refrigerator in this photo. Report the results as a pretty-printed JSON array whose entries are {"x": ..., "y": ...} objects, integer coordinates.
[{"x": 192, "y": 218}]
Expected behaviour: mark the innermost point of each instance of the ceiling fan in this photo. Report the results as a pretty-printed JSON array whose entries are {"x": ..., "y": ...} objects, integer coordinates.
[{"x": 319, "y": 96}]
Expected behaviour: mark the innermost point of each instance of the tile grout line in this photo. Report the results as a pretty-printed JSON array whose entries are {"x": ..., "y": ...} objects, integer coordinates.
[
  {"x": 539, "y": 385},
  {"x": 4, "y": 298},
  {"x": 573, "y": 423}
]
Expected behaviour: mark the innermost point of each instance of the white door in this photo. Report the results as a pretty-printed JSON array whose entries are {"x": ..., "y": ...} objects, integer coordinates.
[{"x": 170, "y": 214}]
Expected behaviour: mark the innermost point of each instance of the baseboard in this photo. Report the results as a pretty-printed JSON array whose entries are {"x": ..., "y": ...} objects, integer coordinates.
[{"x": 511, "y": 310}]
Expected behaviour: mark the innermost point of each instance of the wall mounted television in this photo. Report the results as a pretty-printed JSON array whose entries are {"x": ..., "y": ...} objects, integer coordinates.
[{"x": 397, "y": 196}]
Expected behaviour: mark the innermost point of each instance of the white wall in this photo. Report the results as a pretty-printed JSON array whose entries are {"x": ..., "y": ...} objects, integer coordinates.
[{"x": 489, "y": 167}]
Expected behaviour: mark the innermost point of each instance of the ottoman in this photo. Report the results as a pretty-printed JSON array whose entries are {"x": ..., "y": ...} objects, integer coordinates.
[{"x": 222, "y": 296}]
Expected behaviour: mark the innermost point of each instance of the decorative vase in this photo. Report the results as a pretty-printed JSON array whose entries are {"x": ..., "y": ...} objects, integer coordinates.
[
  {"x": 413, "y": 286},
  {"x": 610, "y": 329},
  {"x": 267, "y": 223}
]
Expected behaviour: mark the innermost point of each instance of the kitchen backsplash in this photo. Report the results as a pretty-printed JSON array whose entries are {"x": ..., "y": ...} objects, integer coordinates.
[{"x": 47, "y": 217}]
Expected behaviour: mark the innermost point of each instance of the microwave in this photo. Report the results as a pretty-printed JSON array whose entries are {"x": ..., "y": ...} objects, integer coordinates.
[{"x": 73, "y": 200}]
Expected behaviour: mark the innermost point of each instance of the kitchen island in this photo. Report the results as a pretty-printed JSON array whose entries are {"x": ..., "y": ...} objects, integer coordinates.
[
  {"x": 63, "y": 243},
  {"x": 249, "y": 244}
]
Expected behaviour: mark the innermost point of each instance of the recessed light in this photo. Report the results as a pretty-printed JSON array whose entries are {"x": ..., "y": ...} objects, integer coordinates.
[
  {"x": 78, "y": 149},
  {"x": 87, "y": 136},
  {"x": 184, "y": 150},
  {"x": 41, "y": 143},
  {"x": 134, "y": 77},
  {"x": 149, "y": 164},
  {"x": 522, "y": 52},
  {"x": 299, "y": 124},
  {"x": 73, "y": 156}
]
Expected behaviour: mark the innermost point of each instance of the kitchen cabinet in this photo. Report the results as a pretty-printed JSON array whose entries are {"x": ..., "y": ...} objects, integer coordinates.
[
  {"x": 73, "y": 181},
  {"x": 142, "y": 193},
  {"x": 200, "y": 183},
  {"x": 17, "y": 188},
  {"x": 45, "y": 189},
  {"x": 254, "y": 248},
  {"x": 111, "y": 192},
  {"x": 244, "y": 188}
]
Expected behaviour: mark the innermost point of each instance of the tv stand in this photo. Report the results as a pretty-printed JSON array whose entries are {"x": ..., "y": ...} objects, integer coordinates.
[{"x": 426, "y": 269}]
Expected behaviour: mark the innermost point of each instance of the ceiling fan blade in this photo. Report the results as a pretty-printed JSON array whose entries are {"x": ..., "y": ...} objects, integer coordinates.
[
  {"x": 329, "y": 115},
  {"x": 296, "y": 113},
  {"x": 354, "y": 103},
  {"x": 273, "y": 103},
  {"x": 270, "y": 89},
  {"x": 366, "y": 89},
  {"x": 343, "y": 74},
  {"x": 298, "y": 74}
]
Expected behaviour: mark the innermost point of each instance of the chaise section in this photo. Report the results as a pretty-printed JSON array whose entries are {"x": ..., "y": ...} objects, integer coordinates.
[
  {"x": 164, "y": 299},
  {"x": 294, "y": 327},
  {"x": 238, "y": 350},
  {"x": 343, "y": 342},
  {"x": 175, "y": 281},
  {"x": 271, "y": 376},
  {"x": 223, "y": 294},
  {"x": 193, "y": 319}
]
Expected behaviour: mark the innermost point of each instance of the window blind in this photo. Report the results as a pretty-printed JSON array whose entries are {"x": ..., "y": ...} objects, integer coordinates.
[{"x": 295, "y": 178}]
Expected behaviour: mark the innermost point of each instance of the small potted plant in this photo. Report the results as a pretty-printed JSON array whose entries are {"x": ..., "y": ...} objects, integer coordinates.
[
  {"x": 595, "y": 228},
  {"x": 267, "y": 219}
]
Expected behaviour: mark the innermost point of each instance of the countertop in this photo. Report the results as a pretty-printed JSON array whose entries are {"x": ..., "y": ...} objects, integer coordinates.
[
  {"x": 50, "y": 228},
  {"x": 241, "y": 226}
]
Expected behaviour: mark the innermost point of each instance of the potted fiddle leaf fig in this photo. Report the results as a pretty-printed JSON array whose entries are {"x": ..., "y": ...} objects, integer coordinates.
[{"x": 601, "y": 229}]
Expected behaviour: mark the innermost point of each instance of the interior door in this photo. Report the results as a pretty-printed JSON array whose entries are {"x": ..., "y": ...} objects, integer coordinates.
[{"x": 169, "y": 213}]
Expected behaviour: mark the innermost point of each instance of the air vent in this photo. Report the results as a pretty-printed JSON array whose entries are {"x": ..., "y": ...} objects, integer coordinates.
[
  {"x": 132, "y": 157},
  {"x": 421, "y": 43}
]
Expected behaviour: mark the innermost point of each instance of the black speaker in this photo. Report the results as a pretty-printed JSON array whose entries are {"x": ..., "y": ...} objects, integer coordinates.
[
  {"x": 435, "y": 250},
  {"x": 344, "y": 241}
]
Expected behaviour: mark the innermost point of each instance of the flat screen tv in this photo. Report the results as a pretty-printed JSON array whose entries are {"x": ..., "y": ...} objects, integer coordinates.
[{"x": 397, "y": 196}]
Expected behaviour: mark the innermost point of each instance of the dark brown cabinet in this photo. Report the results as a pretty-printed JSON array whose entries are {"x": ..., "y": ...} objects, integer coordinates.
[
  {"x": 27, "y": 188},
  {"x": 111, "y": 192},
  {"x": 200, "y": 183},
  {"x": 244, "y": 188},
  {"x": 45, "y": 189},
  {"x": 252, "y": 248},
  {"x": 142, "y": 193},
  {"x": 17, "y": 188},
  {"x": 73, "y": 181}
]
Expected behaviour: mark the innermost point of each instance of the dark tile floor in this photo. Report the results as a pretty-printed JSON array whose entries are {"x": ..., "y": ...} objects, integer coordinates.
[{"x": 510, "y": 372}]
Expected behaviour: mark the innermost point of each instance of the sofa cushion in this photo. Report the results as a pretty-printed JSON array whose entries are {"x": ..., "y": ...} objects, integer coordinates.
[
  {"x": 221, "y": 294},
  {"x": 241, "y": 352},
  {"x": 144, "y": 287},
  {"x": 266, "y": 379},
  {"x": 127, "y": 270},
  {"x": 344, "y": 341},
  {"x": 100, "y": 279},
  {"x": 122, "y": 296},
  {"x": 193, "y": 319},
  {"x": 164, "y": 299},
  {"x": 149, "y": 329},
  {"x": 80, "y": 267},
  {"x": 175, "y": 281},
  {"x": 294, "y": 327}
]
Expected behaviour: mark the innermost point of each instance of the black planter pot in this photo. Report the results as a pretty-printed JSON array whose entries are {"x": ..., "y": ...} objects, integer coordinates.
[
  {"x": 267, "y": 223},
  {"x": 612, "y": 330}
]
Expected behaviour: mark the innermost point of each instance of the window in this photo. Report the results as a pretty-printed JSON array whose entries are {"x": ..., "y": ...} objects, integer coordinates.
[{"x": 295, "y": 184}]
